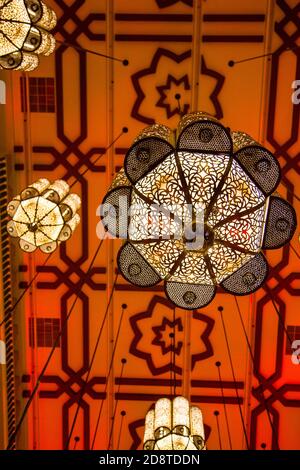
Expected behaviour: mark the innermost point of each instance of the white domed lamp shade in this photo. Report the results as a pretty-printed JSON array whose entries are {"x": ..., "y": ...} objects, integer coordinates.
[
  {"x": 199, "y": 176},
  {"x": 43, "y": 215},
  {"x": 174, "y": 425},
  {"x": 25, "y": 27}
]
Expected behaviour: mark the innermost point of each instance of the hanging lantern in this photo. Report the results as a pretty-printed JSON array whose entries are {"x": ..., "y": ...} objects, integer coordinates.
[
  {"x": 24, "y": 33},
  {"x": 43, "y": 215},
  {"x": 174, "y": 425},
  {"x": 201, "y": 211}
]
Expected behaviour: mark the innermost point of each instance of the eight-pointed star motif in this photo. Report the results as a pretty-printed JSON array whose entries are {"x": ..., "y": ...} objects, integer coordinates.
[
  {"x": 168, "y": 95},
  {"x": 169, "y": 178}
]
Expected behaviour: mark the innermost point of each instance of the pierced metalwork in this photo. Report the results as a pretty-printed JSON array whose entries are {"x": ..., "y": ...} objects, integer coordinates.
[
  {"x": 200, "y": 210},
  {"x": 174, "y": 425},
  {"x": 24, "y": 33},
  {"x": 43, "y": 215}
]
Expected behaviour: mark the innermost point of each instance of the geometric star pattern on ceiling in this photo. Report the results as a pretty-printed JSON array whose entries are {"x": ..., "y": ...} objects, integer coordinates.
[{"x": 168, "y": 94}]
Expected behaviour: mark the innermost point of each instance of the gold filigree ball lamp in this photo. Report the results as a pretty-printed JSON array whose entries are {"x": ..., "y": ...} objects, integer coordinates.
[
  {"x": 43, "y": 215},
  {"x": 227, "y": 181}
]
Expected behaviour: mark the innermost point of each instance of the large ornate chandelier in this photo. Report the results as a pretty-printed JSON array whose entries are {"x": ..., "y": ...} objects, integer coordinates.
[
  {"x": 24, "y": 33},
  {"x": 203, "y": 176},
  {"x": 43, "y": 215},
  {"x": 174, "y": 425}
]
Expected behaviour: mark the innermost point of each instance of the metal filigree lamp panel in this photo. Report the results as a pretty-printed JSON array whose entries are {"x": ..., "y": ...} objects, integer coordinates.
[
  {"x": 43, "y": 215},
  {"x": 199, "y": 176},
  {"x": 174, "y": 425},
  {"x": 24, "y": 33}
]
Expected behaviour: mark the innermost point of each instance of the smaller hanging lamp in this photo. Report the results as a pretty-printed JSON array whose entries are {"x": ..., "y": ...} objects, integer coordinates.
[
  {"x": 174, "y": 425},
  {"x": 24, "y": 33},
  {"x": 43, "y": 215}
]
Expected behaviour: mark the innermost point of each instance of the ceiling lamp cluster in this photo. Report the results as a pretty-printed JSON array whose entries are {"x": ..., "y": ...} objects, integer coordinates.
[
  {"x": 43, "y": 215},
  {"x": 224, "y": 176},
  {"x": 24, "y": 33},
  {"x": 174, "y": 425}
]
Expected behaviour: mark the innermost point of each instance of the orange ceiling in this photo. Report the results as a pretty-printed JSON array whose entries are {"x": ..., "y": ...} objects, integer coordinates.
[{"x": 95, "y": 99}]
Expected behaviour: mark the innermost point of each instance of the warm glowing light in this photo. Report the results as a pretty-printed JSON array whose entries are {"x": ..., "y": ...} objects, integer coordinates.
[
  {"x": 43, "y": 215},
  {"x": 201, "y": 210},
  {"x": 24, "y": 33},
  {"x": 174, "y": 425}
]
